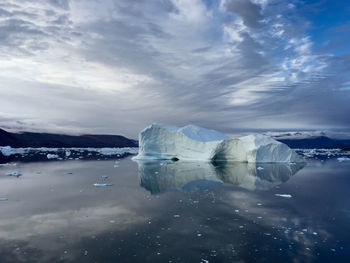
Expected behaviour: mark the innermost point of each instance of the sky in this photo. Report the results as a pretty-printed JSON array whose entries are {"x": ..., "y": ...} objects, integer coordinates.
[{"x": 116, "y": 66}]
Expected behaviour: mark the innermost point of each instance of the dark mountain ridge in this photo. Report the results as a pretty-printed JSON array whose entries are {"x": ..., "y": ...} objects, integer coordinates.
[
  {"x": 316, "y": 142},
  {"x": 31, "y": 139}
]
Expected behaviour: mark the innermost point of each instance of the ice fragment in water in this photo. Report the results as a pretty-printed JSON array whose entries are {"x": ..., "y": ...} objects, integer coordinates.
[
  {"x": 15, "y": 174},
  {"x": 102, "y": 185},
  {"x": 284, "y": 195}
]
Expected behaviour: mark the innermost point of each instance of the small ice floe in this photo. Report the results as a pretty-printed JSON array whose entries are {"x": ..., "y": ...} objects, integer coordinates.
[
  {"x": 68, "y": 153},
  {"x": 343, "y": 159},
  {"x": 3, "y": 199},
  {"x": 102, "y": 185},
  {"x": 260, "y": 168},
  {"x": 237, "y": 211},
  {"x": 104, "y": 176},
  {"x": 116, "y": 164},
  {"x": 284, "y": 195},
  {"x": 52, "y": 156},
  {"x": 15, "y": 174},
  {"x": 176, "y": 216},
  {"x": 204, "y": 261},
  {"x": 8, "y": 164}
]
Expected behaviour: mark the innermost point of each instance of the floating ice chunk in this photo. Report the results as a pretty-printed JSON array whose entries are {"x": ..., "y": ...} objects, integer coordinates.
[
  {"x": 260, "y": 168},
  {"x": 194, "y": 143},
  {"x": 117, "y": 151},
  {"x": 102, "y": 185},
  {"x": 342, "y": 159},
  {"x": 15, "y": 174},
  {"x": 7, "y": 150},
  {"x": 284, "y": 195},
  {"x": 68, "y": 153},
  {"x": 104, "y": 176},
  {"x": 52, "y": 156},
  {"x": 3, "y": 199}
]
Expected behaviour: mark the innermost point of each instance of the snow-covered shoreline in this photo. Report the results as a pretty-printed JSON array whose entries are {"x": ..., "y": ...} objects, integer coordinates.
[{"x": 8, "y": 151}]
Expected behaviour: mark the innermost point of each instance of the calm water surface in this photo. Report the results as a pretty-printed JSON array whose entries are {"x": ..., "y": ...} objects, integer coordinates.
[{"x": 175, "y": 212}]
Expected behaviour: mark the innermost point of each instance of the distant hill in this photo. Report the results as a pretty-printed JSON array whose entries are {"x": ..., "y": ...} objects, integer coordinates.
[
  {"x": 31, "y": 139},
  {"x": 315, "y": 142}
]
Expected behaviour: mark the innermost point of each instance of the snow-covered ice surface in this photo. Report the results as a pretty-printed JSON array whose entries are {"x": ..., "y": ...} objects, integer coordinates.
[
  {"x": 8, "y": 153},
  {"x": 188, "y": 143},
  {"x": 323, "y": 154},
  {"x": 342, "y": 159},
  {"x": 195, "y": 143}
]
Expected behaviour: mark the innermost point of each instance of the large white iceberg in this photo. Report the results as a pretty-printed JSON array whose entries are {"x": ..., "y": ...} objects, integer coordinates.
[{"x": 198, "y": 144}]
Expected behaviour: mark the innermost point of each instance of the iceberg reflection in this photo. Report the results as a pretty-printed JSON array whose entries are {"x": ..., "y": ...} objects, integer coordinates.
[{"x": 162, "y": 176}]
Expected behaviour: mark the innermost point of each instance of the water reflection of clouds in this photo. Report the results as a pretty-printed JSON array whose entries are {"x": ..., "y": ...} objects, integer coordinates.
[
  {"x": 125, "y": 217},
  {"x": 161, "y": 176}
]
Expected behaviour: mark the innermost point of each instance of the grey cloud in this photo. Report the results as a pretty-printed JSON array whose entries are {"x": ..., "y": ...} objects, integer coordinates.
[
  {"x": 64, "y": 4},
  {"x": 248, "y": 11},
  {"x": 201, "y": 50}
]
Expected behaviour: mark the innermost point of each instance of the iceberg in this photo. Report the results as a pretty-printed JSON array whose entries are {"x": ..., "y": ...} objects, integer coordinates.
[{"x": 193, "y": 143}]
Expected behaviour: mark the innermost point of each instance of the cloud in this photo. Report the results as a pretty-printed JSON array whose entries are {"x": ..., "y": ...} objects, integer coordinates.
[
  {"x": 118, "y": 66},
  {"x": 249, "y": 12}
]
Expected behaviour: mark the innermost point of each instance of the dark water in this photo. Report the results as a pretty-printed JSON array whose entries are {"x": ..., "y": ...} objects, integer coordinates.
[{"x": 175, "y": 212}]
